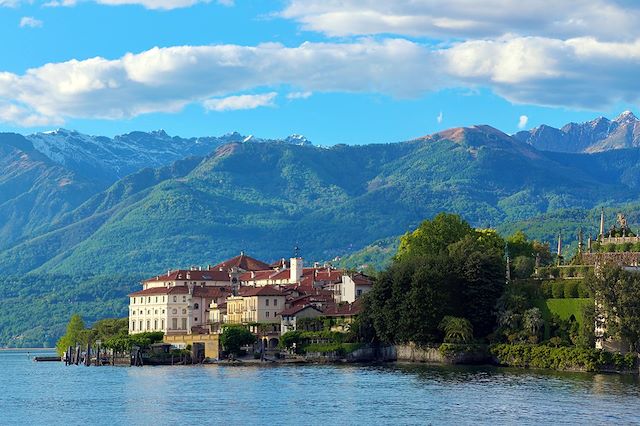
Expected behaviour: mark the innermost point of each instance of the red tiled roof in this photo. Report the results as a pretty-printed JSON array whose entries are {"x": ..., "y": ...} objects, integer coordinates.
[
  {"x": 267, "y": 290},
  {"x": 362, "y": 279},
  {"x": 244, "y": 262},
  {"x": 257, "y": 275},
  {"x": 181, "y": 275},
  {"x": 295, "y": 309},
  {"x": 345, "y": 310},
  {"x": 206, "y": 292}
]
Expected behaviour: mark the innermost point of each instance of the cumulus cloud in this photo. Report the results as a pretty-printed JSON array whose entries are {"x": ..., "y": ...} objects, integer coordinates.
[
  {"x": 299, "y": 95},
  {"x": 580, "y": 72},
  {"x": 232, "y": 103},
  {"x": 522, "y": 121},
  {"x": 440, "y": 117},
  {"x": 605, "y": 19},
  {"x": 30, "y": 22},
  {"x": 9, "y": 3},
  {"x": 167, "y": 79}
]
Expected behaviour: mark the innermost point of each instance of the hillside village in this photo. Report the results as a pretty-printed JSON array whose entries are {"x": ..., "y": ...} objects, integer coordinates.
[{"x": 191, "y": 306}]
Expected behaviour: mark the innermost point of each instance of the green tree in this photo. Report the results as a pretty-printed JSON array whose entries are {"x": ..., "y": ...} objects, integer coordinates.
[
  {"x": 75, "y": 334},
  {"x": 235, "y": 337},
  {"x": 433, "y": 236},
  {"x": 617, "y": 294},
  {"x": 456, "y": 329},
  {"x": 532, "y": 321},
  {"x": 523, "y": 267}
]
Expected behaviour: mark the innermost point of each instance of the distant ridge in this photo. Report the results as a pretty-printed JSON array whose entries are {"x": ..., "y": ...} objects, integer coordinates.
[{"x": 598, "y": 135}]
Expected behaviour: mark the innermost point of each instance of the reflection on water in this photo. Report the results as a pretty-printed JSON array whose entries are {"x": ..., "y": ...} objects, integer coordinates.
[{"x": 399, "y": 394}]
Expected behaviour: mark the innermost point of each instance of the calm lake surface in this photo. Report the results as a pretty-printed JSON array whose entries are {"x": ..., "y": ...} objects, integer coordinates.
[{"x": 50, "y": 393}]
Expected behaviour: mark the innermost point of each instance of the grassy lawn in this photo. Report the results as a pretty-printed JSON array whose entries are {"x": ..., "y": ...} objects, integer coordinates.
[{"x": 564, "y": 308}]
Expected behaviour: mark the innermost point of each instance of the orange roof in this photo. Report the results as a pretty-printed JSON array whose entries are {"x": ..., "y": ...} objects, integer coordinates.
[
  {"x": 244, "y": 262},
  {"x": 267, "y": 290},
  {"x": 189, "y": 275},
  {"x": 206, "y": 292},
  {"x": 346, "y": 310},
  {"x": 295, "y": 309}
]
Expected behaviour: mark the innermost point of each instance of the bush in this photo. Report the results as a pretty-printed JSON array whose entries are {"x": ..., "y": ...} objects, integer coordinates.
[
  {"x": 557, "y": 289},
  {"x": 561, "y": 358},
  {"x": 545, "y": 290},
  {"x": 570, "y": 289},
  {"x": 583, "y": 290}
]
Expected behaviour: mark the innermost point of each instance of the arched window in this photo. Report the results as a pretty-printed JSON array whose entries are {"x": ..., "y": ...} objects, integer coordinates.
[
  {"x": 196, "y": 306},
  {"x": 155, "y": 324},
  {"x": 175, "y": 311},
  {"x": 148, "y": 324}
]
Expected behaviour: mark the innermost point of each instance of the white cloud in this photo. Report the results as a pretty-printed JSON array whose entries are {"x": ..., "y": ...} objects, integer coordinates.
[
  {"x": 522, "y": 121},
  {"x": 299, "y": 95},
  {"x": 579, "y": 72},
  {"x": 30, "y": 22},
  {"x": 232, "y": 103},
  {"x": 10, "y": 3},
  {"x": 604, "y": 19},
  {"x": 167, "y": 79},
  {"x": 440, "y": 117}
]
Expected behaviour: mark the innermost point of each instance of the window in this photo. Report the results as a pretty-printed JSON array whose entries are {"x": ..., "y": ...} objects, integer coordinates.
[
  {"x": 155, "y": 324},
  {"x": 196, "y": 319},
  {"x": 184, "y": 323},
  {"x": 162, "y": 324},
  {"x": 133, "y": 326},
  {"x": 266, "y": 302},
  {"x": 196, "y": 306},
  {"x": 267, "y": 313},
  {"x": 149, "y": 299},
  {"x": 275, "y": 302},
  {"x": 184, "y": 311},
  {"x": 148, "y": 324},
  {"x": 175, "y": 311},
  {"x": 359, "y": 292},
  {"x": 156, "y": 299},
  {"x": 174, "y": 323},
  {"x": 175, "y": 298},
  {"x": 156, "y": 312},
  {"x": 140, "y": 325},
  {"x": 163, "y": 311},
  {"x": 184, "y": 298}
]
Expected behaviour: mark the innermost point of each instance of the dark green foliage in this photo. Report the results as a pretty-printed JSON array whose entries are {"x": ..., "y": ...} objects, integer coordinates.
[
  {"x": 564, "y": 358},
  {"x": 571, "y": 289},
  {"x": 618, "y": 295},
  {"x": 459, "y": 273},
  {"x": 557, "y": 289},
  {"x": 523, "y": 267},
  {"x": 235, "y": 337}
]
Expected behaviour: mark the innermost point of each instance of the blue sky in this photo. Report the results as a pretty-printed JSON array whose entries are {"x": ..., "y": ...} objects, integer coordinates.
[{"x": 336, "y": 71}]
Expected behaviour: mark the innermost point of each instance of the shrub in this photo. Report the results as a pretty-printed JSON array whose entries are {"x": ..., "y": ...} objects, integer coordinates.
[
  {"x": 583, "y": 290},
  {"x": 545, "y": 289},
  {"x": 570, "y": 289},
  {"x": 557, "y": 289},
  {"x": 560, "y": 358}
]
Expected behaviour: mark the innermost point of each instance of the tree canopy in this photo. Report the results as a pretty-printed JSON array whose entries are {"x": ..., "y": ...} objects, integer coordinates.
[{"x": 443, "y": 268}]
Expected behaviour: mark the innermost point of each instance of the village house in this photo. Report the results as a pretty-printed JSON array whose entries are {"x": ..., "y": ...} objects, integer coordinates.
[
  {"x": 178, "y": 301},
  {"x": 291, "y": 316}
]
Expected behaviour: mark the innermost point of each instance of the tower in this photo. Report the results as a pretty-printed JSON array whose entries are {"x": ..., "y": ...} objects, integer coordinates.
[
  {"x": 580, "y": 245},
  {"x": 559, "y": 249},
  {"x": 601, "y": 224}
]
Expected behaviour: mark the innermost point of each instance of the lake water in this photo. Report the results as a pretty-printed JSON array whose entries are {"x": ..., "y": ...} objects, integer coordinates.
[{"x": 50, "y": 393}]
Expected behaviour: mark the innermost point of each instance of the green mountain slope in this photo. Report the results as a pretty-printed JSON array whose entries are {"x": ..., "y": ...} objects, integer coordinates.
[{"x": 267, "y": 198}]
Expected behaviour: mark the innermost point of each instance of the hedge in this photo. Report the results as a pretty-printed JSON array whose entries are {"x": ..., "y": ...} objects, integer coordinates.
[{"x": 563, "y": 358}]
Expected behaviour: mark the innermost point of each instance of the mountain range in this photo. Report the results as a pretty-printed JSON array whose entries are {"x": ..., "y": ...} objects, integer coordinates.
[{"x": 82, "y": 210}]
